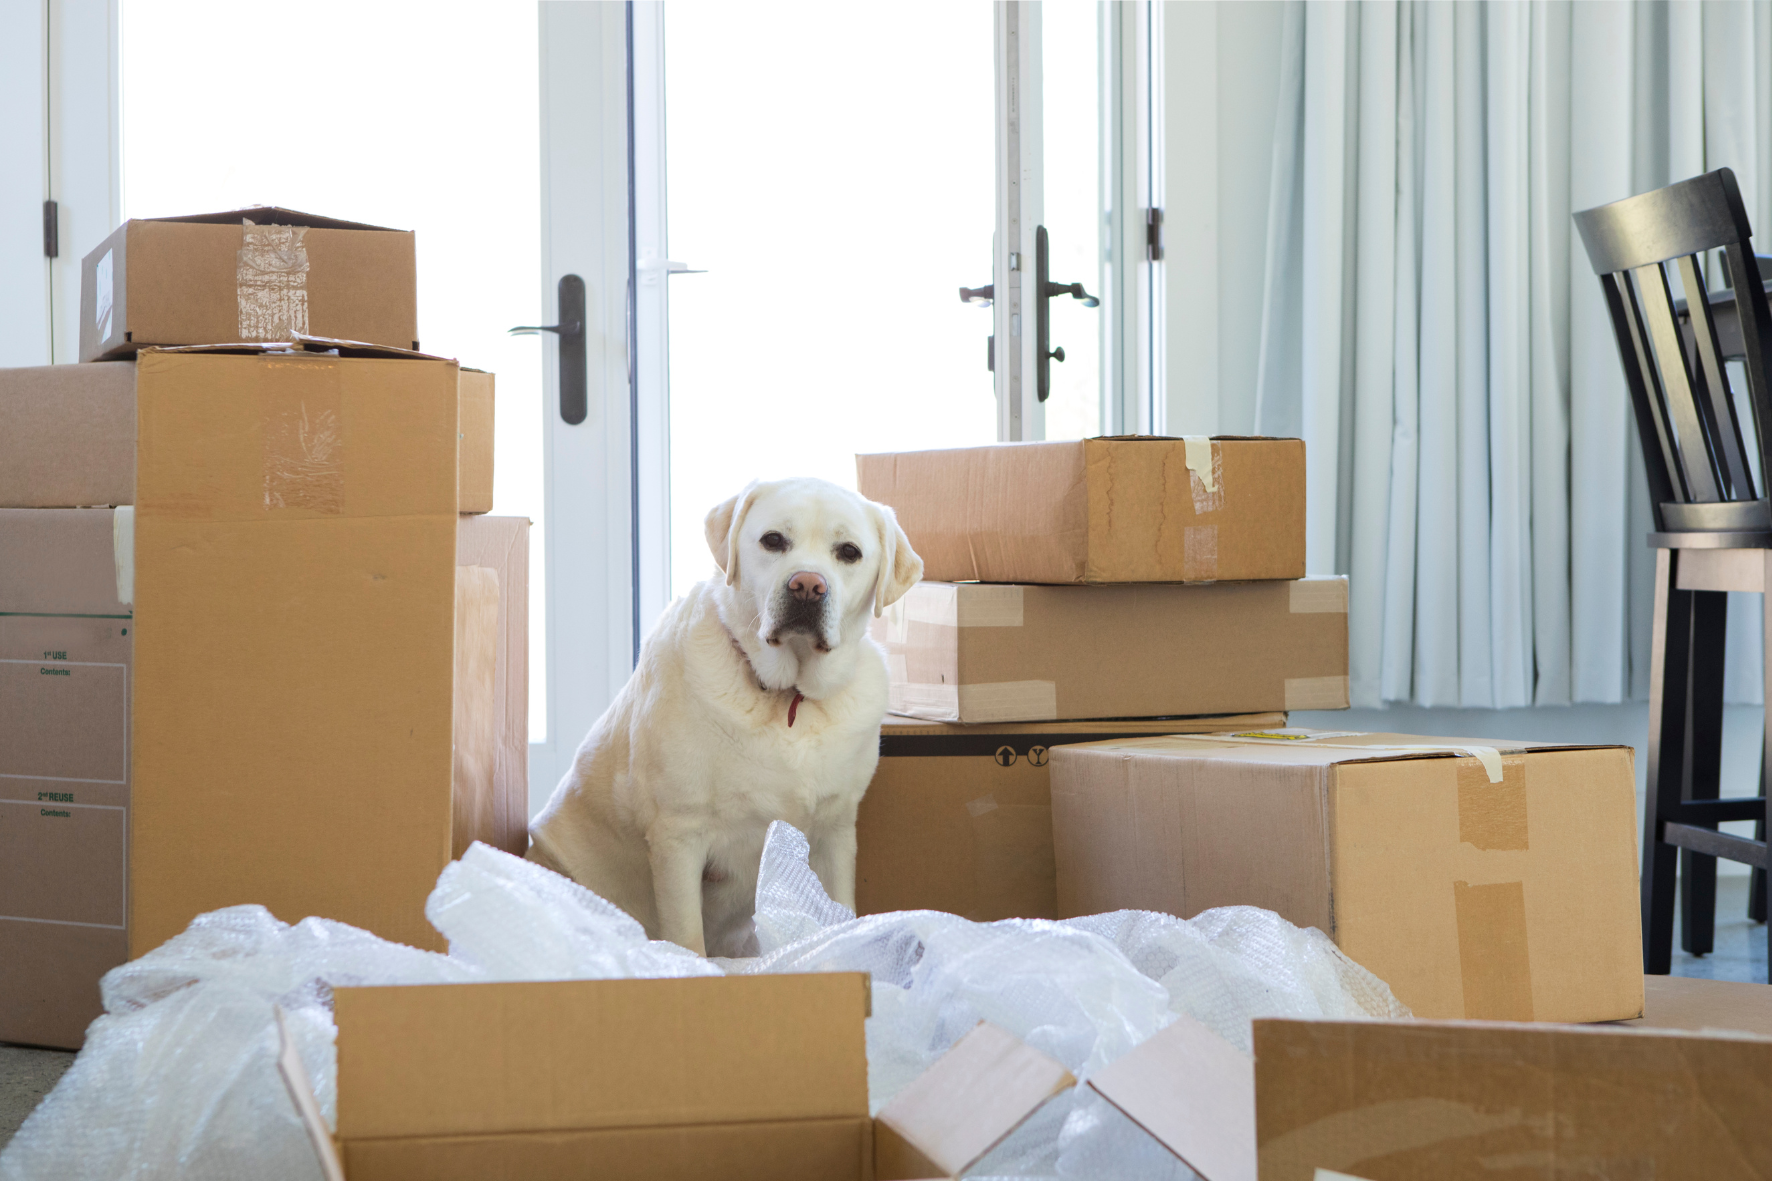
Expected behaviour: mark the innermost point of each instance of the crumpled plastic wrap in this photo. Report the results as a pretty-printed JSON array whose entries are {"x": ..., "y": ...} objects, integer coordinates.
[{"x": 178, "y": 1078}]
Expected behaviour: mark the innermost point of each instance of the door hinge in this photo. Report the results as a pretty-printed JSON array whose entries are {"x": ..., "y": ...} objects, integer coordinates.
[
  {"x": 1153, "y": 235},
  {"x": 52, "y": 236}
]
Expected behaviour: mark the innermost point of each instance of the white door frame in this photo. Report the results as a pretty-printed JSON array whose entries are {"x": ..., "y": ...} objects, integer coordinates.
[
  {"x": 1020, "y": 208},
  {"x": 594, "y": 505},
  {"x": 1133, "y": 354},
  {"x": 60, "y": 87}
]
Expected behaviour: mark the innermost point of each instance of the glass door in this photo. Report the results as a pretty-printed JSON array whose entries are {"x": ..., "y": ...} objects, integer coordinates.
[{"x": 832, "y": 181}]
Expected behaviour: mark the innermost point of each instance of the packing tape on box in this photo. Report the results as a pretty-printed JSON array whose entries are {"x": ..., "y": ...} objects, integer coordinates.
[
  {"x": 996, "y": 701},
  {"x": 1492, "y": 812},
  {"x": 1317, "y": 596},
  {"x": 1492, "y": 953},
  {"x": 945, "y": 606},
  {"x": 123, "y": 551},
  {"x": 1199, "y": 553},
  {"x": 271, "y": 282},
  {"x": 1205, "y": 463},
  {"x": 1316, "y": 693}
]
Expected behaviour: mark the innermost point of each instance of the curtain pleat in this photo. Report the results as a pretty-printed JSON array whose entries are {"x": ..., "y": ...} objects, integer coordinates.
[{"x": 1432, "y": 329}]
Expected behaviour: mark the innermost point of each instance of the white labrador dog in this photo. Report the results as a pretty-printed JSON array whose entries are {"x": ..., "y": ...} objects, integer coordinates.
[{"x": 758, "y": 697}]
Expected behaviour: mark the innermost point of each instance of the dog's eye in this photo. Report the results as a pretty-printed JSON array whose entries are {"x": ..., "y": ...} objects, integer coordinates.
[
  {"x": 774, "y": 542},
  {"x": 849, "y": 552}
]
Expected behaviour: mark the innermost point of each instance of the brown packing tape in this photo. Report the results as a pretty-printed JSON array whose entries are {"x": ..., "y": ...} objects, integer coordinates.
[
  {"x": 1492, "y": 816},
  {"x": 302, "y": 428},
  {"x": 1492, "y": 951},
  {"x": 1316, "y": 693},
  {"x": 1012, "y": 857}
]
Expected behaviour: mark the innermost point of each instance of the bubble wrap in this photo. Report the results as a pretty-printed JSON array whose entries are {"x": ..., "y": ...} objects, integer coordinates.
[{"x": 178, "y": 1078}]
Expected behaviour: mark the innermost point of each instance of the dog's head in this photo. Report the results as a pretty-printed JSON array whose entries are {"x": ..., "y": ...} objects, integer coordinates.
[{"x": 810, "y": 559}]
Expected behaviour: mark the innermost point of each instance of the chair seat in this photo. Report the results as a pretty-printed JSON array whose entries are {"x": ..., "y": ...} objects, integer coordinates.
[
  {"x": 1709, "y": 539},
  {"x": 1722, "y": 570}
]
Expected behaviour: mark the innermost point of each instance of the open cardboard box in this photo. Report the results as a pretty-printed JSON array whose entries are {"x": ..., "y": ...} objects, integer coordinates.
[
  {"x": 741, "y": 1077},
  {"x": 959, "y": 818},
  {"x": 1389, "y": 1100}
]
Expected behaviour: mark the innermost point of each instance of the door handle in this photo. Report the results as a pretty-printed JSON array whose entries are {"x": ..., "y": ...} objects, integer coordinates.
[
  {"x": 574, "y": 387},
  {"x": 1047, "y": 289}
]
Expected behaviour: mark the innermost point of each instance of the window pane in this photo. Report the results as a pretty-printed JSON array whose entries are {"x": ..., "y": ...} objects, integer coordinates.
[
  {"x": 423, "y": 117},
  {"x": 831, "y": 166}
]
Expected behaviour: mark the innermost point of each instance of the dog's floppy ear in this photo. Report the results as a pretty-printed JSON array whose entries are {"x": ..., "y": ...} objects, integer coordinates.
[
  {"x": 724, "y": 525},
  {"x": 900, "y": 567}
]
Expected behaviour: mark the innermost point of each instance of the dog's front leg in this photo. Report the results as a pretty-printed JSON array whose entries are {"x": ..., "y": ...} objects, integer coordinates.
[
  {"x": 678, "y": 859},
  {"x": 833, "y": 859}
]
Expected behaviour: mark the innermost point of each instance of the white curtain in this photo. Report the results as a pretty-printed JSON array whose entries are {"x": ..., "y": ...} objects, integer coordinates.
[{"x": 1432, "y": 329}]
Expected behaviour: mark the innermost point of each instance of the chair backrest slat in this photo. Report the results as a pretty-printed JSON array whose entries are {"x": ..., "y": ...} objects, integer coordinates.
[
  {"x": 1712, "y": 382},
  {"x": 1696, "y": 463},
  {"x": 1694, "y": 439},
  {"x": 1645, "y": 390}
]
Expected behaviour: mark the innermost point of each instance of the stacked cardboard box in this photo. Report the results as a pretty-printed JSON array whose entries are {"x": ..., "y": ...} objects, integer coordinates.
[
  {"x": 1164, "y": 579},
  {"x": 255, "y": 644},
  {"x": 1070, "y": 587}
]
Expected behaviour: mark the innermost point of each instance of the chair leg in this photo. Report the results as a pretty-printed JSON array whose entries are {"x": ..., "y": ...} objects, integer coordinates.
[
  {"x": 1669, "y": 667},
  {"x": 1756, "y": 887},
  {"x": 1704, "y": 763}
]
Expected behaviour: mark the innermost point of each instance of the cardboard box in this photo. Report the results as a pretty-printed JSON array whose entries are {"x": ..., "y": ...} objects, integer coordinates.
[
  {"x": 1395, "y": 1100},
  {"x": 67, "y": 436},
  {"x": 755, "y": 1077},
  {"x": 1477, "y": 878},
  {"x": 258, "y": 274},
  {"x": 975, "y": 653},
  {"x": 959, "y": 818},
  {"x": 295, "y": 658},
  {"x": 1130, "y": 509},
  {"x": 65, "y": 654},
  {"x": 474, "y": 476}
]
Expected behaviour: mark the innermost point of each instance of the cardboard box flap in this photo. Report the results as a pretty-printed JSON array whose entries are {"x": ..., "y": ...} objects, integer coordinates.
[
  {"x": 1194, "y": 1092},
  {"x": 1340, "y": 1095},
  {"x": 1451, "y": 1099},
  {"x": 945, "y": 1120},
  {"x": 476, "y": 1059},
  {"x": 307, "y": 1108},
  {"x": 1679, "y": 1002},
  {"x": 322, "y": 345},
  {"x": 272, "y": 215}
]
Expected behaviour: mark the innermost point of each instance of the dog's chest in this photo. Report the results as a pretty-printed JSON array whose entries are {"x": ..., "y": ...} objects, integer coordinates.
[{"x": 795, "y": 771}]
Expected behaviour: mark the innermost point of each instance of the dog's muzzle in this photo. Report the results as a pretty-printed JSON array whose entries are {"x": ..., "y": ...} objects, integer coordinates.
[{"x": 802, "y": 609}]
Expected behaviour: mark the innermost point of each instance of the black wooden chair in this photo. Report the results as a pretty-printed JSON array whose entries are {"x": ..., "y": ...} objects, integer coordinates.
[{"x": 1712, "y": 519}]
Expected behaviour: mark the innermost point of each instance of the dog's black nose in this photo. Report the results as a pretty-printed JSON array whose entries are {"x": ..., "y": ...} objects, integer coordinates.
[{"x": 807, "y": 586}]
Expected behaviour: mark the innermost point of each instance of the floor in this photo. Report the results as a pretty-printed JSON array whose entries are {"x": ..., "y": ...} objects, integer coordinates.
[{"x": 28, "y": 1074}]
